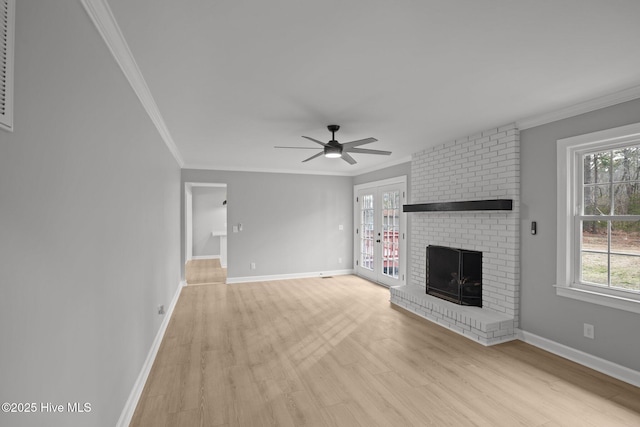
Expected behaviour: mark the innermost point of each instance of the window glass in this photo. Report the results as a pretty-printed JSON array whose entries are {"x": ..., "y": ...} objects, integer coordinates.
[{"x": 610, "y": 246}]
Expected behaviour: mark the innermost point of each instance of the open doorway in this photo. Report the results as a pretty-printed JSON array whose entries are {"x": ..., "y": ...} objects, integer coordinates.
[{"x": 205, "y": 233}]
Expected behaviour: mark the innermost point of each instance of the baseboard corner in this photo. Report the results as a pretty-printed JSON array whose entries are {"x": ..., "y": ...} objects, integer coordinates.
[{"x": 132, "y": 401}]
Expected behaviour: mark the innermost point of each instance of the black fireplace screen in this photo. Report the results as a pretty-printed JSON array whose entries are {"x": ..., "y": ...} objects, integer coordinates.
[{"x": 455, "y": 275}]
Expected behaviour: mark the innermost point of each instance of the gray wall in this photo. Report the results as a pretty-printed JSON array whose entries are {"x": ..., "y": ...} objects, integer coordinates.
[
  {"x": 209, "y": 214},
  {"x": 390, "y": 172},
  {"x": 290, "y": 221},
  {"x": 89, "y": 224},
  {"x": 617, "y": 335}
]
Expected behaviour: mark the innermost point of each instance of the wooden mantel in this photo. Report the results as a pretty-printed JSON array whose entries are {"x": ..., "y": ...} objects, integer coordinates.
[{"x": 473, "y": 205}]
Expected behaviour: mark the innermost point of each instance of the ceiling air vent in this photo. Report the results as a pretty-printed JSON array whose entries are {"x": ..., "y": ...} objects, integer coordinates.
[{"x": 7, "y": 22}]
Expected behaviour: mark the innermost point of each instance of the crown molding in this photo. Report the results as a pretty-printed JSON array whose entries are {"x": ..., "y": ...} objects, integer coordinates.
[
  {"x": 224, "y": 168},
  {"x": 357, "y": 172},
  {"x": 401, "y": 160},
  {"x": 105, "y": 23},
  {"x": 580, "y": 108}
]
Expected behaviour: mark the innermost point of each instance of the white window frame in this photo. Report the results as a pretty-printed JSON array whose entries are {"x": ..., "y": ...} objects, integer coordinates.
[{"x": 569, "y": 197}]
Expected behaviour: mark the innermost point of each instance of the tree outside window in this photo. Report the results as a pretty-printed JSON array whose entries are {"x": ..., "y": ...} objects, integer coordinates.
[{"x": 610, "y": 229}]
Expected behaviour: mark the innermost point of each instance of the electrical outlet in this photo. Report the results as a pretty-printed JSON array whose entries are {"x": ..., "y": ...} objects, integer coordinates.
[
  {"x": 161, "y": 309},
  {"x": 253, "y": 265},
  {"x": 339, "y": 260},
  {"x": 589, "y": 331}
]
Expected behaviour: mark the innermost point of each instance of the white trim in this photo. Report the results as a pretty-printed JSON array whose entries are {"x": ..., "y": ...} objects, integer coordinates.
[
  {"x": 580, "y": 108},
  {"x": 564, "y": 200},
  {"x": 402, "y": 179},
  {"x": 262, "y": 170},
  {"x": 106, "y": 24},
  {"x": 188, "y": 217},
  {"x": 248, "y": 279},
  {"x": 401, "y": 160},
  {"x": 568, "y": 199},
  {"x": 203, "y": 257},
  {"x": 132, "y": 402},
  {"x": 205, "y": 184},
  {"x": 404, "y": 227},
  {"x": 358, "y": 172},
  {"x": 606, "y": 367},
  {"x": 188, "y": 222},
  {"x": 613, "y": 135},
  {"x": 612, "y": 301}
]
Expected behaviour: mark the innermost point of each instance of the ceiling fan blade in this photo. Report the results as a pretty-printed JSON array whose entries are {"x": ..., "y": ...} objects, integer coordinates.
[
  {"x": 299, "y": 148},
  {"x": 359, "y": 142},
  {"x": 347, "y": 158},
  {"x": 314, "y": 156},
  {"x": 367, "y": 151},
  {"x": 314, "y": 140}
]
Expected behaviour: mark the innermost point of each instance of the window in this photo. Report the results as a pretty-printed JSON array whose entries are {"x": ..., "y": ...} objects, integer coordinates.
[
  {"x": 599, "y": 217},
  {"x": 610, "y": 218}
]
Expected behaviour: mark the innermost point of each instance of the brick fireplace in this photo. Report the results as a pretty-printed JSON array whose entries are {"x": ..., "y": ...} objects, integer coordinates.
[{"x": 482, "y": 166}]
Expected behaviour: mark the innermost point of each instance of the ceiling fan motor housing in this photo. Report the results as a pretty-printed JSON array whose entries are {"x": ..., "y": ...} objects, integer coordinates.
[{"x": 333, "y": 149}]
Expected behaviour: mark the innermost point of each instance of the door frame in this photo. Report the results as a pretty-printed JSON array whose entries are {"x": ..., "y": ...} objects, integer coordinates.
[
  {"x": 188, "y": 217},
  {"x": 402, "y": 182}
]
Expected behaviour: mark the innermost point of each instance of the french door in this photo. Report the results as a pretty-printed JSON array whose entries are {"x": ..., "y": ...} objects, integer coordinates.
[{"x": 380, "y": 232}]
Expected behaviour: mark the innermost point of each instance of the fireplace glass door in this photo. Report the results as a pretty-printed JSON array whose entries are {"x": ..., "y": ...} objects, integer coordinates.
[{"x": 455, "y": 275}]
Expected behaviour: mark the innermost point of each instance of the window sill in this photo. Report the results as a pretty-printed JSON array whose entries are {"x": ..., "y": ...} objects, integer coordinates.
[{"x": 626, "y": 304}]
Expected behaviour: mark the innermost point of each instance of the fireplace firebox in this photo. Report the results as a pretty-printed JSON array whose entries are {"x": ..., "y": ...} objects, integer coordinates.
[{"x": 455, "y": 275}]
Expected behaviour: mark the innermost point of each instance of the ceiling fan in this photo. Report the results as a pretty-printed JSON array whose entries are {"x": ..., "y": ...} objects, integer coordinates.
[{"x": 333, "y": 149}]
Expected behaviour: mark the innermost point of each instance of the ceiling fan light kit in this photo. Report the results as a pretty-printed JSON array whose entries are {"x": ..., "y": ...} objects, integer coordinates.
[
  {"x": 332, "y": 152},
  {"x": 333, "y": 149}
]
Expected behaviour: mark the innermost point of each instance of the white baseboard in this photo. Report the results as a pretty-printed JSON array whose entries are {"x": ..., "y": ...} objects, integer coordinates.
[
  {"x": 231, "y": 280},
  {"x": 601, "y": 365},
  {"x": 130, "y": 406},
  {"x": 199, "y": 257}
]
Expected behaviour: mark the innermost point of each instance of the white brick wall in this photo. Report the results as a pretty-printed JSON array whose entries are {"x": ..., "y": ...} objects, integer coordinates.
[{"x": 482, "y": 166}]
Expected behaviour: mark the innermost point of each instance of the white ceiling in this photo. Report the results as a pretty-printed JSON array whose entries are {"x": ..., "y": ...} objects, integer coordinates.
[{"x": 233, "y": 78}]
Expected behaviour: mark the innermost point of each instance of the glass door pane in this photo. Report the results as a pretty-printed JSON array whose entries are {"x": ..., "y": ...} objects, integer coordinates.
[
  {"x": 379, "y": 239},
  {"x": 367, "y": 234},
  {"x": 390, "y": 233}
]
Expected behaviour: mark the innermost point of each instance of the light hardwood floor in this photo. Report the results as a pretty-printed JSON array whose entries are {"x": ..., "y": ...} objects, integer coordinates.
[
  {"x": 333, "y": 352},
  {"x": 204, "y": 271}
]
